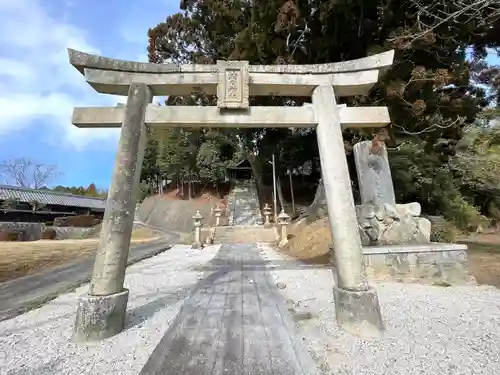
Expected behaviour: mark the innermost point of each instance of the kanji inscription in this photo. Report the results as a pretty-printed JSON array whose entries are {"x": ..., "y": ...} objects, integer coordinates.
[{"x": 232, "y": 85}]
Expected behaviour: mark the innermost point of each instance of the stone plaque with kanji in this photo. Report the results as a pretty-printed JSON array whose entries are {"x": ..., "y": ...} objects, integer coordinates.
[{"x": 232, "y": 84}]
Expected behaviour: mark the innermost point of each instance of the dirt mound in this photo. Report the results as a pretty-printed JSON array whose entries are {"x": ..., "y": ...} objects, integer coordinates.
[
  {"x": 174, "y": 215},
  {"x": 310, "y": 241}
]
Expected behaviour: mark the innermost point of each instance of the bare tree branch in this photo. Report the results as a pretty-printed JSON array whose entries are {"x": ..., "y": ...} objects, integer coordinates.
[
  {"x": 26, "y": 173},
  {"x": 448, "y": 123},
  {"x": 449, "y": 12}
]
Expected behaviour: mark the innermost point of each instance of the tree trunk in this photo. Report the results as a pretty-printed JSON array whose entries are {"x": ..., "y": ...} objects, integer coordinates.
[
  {"x": 291, "y": 190},
  {"x": 280, "y": 193},
  {"x": 318, "y": 208},
  {"x": 313, "y": 166},
  {"x": 279, "y": 190},
  {"x": 255, "y": 170}
]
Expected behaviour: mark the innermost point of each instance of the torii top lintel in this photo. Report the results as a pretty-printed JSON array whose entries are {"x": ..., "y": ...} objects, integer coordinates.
[{"x": 112, "y": 76}]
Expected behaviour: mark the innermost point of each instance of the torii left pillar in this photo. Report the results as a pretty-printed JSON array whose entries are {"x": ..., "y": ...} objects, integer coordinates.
[{"x": 101, "y": 313}]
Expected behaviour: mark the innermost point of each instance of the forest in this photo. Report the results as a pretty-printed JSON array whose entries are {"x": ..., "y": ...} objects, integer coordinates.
[{"x": 443, "y": 94}]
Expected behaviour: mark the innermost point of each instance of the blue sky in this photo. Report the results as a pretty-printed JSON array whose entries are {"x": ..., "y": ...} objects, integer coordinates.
[{"x": 39, "y": 88}]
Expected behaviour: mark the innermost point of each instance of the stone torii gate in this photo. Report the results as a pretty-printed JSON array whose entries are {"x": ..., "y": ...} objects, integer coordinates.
[{"x": 101, "y": 313}]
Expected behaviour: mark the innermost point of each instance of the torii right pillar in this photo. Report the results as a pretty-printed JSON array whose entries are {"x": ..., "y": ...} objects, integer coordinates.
[{"x": 357, "y": 307}]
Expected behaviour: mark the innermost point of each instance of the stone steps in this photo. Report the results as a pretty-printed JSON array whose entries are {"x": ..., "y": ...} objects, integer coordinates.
[
  {"x": 245, "y": 234},
  {"x": 243, "y": 204}
]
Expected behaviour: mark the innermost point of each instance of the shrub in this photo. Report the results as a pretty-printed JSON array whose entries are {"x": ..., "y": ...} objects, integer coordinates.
[{"x": 442, "y": 230}]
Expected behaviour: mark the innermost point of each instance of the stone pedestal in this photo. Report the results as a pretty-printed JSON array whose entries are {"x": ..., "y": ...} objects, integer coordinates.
[
  {"x": 197, "y": 244},
  {"x": 351, "y": 273},
  {"x": 218, "y": 214},
  {"x": 267, "y": 215},
  {"x": 100, "y": 317},
  {"x": 431, "y": 264},
  {"x": 101, "y": 314},
  {"x": 388, "y": 224},
  {"x": 358, "y": 312},
  {"x": 283, "y": 221}
]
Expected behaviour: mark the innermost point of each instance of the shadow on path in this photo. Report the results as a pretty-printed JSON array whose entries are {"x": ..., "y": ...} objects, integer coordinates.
[
  {"x": 234, "y": 322},
  {"x": 139, "y": 315}
]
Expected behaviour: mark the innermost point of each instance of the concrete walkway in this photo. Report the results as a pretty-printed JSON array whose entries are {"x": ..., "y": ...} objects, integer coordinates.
[
  {"x": 233, "y": 323},
  {"x": 244, "y": 204}
]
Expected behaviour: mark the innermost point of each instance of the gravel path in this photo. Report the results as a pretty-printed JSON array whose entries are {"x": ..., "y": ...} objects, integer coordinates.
[
  {"x": 429, "y": 329},
  {"x": 38, "y": 342}
]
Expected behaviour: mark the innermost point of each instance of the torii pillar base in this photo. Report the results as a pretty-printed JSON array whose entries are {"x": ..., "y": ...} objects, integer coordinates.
[
  {"x": 358, "y": 312},
  {"x": 100, "y": 317}
]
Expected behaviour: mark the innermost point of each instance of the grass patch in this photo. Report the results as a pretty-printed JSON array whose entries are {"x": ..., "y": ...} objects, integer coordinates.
[
  {"x": 42, "y": 300},
  {"x": 484, "y": 261},
  {"x": 481, "y": 246},
  {"x": 19, "y": 259}
]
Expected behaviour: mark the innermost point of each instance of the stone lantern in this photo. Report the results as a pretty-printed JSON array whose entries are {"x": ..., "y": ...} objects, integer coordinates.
[
  {"x": 283, "y": 221},
  {"x": 218, "y": 214},
  {"x": 267, "y": 214},
  {"x": 198, "y": 217}
]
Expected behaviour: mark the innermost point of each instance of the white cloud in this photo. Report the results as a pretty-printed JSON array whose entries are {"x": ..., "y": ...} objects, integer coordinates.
[
  {"x": 15, "y": 69},
  {"x": 37, "y": 83}
]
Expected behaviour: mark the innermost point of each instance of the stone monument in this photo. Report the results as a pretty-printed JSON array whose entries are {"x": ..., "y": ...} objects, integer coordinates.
[
  {"x": 374, "y": 175},
  {"x": 101, "y": 312},
  {"x": 381, "y": 221}
]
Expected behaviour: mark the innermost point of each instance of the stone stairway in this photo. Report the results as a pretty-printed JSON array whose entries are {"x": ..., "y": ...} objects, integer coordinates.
[
  {"x": 245, "y": 234},
  {"x": 243, "y": 204},
  {"x": 244, "y": 217}
]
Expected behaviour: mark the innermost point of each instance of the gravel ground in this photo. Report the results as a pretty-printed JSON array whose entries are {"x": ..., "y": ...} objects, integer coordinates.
[
  {"x": 39, "y": 342},
  {"x": 429, "y": 329}
]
